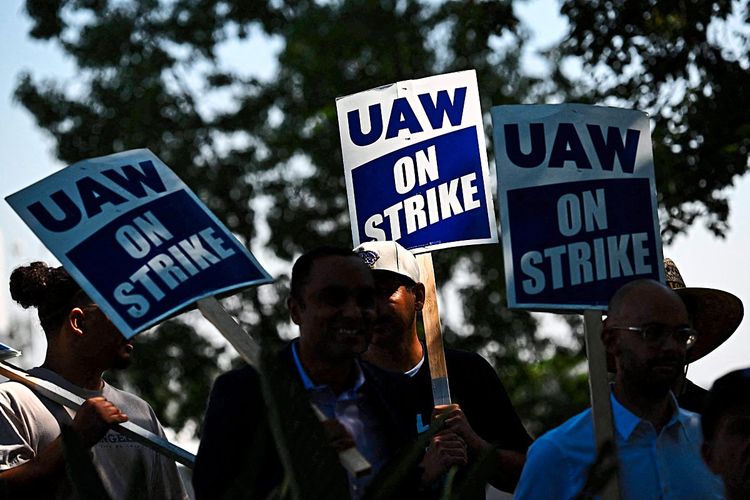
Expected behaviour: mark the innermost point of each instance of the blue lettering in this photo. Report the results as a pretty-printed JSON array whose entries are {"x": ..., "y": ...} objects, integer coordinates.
[
  {"x": 568, "y": 147},
  {"x": 133, "y": 181},
  {"x": 71, "y": 213},
  {"x": 402, "y": 117},
  {"x": 538, "y": 152},
  {"x": 606, "y": 151},
  {"x": 94, "y": 195},
  {"x": 355, "y": 126},
  {"x": 443, "y": 106}
]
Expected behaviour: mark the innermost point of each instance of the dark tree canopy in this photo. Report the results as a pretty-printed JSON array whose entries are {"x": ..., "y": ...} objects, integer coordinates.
[
  {"x": 686, "y": 63},
  {"x": 264, "y": 153}
]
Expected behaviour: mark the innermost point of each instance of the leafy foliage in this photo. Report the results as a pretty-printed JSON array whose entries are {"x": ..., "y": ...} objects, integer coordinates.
[
  {"x": 263, "y": 153},
  {"x": 686, "y": 63}
]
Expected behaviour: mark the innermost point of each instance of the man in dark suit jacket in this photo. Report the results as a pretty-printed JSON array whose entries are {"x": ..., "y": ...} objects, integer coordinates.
[{"x": 332, "y": 301}]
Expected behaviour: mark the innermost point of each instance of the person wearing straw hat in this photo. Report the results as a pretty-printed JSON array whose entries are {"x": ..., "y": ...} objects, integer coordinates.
[
  {"x": 484, "y": 416},
  {"x": 726, "y": 432},
  {"x": 647, "y": 333},
  {"x": 715, "y": 315}
]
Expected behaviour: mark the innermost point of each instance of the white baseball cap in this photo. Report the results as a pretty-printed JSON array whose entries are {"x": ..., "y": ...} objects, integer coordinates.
[{"x": 389, "y": 256}]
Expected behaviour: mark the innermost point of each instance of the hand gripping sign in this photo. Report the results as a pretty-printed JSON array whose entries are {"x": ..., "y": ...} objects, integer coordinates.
[
  {"x": 144, "y": 247},
  {"x": 135, "y": 237},
  {"x": 578, "y": 203},
  {"x": 416, "y": 172},
  {"x": 416, "y": 165}
]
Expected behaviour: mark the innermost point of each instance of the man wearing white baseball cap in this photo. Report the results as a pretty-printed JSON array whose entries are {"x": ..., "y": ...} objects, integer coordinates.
[{"x": 484, "y": 416}]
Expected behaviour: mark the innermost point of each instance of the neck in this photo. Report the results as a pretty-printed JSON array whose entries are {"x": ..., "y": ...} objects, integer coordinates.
[
  {"x": 74, "y": 371},
  {"x": 399, "y": 357},
  {"x": 656, "y": 409},
  {"x": 339, "y": 375}
]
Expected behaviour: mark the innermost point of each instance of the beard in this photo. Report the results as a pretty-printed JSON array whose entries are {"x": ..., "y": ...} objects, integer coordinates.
[{"x": 653, "y": 377}]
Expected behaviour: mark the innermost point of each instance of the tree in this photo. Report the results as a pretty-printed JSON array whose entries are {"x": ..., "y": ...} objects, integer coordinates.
[
  {"x": 264, "y": 153},
  {"x": 687, "y": 64}
]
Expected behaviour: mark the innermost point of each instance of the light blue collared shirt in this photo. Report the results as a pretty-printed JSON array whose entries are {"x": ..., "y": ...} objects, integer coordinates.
[
  {"x": 666, "y": 465},
  {"x": 356, "y": 413}
]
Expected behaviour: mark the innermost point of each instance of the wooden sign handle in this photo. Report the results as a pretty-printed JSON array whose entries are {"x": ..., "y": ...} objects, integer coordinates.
[
  {"x": 441, "y": 393},
  {"x": 243, "y": 343},
  {"x": 64, "y": 397},
  {"x": 352, "y": 460},
  {"x": 599, "y": 387}
]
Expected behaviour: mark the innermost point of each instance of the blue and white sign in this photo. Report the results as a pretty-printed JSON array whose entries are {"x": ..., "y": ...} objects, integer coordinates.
[
  {"x": 415, "y": 163},
  {"x": 578, "y": 203},
  {"x": 135, "y": 237}
]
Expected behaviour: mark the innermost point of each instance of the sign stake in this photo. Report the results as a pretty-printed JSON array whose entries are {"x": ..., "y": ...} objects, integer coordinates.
[
  {"x": 433, "y": 333},
  {"x": 64, "y": 397},
  {"x": 599, "y": 387},
  {"x": 352, "y": 460}
]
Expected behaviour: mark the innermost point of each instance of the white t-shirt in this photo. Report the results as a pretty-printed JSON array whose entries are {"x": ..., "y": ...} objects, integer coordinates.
[{"x": 27, "y": 427}]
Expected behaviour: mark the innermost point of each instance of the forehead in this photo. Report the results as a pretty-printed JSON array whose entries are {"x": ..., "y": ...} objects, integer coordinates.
[
  {"x": 339, "y": 271},
  {"x": 653, "y": 304},
  {"x": 388, "y": 278}
]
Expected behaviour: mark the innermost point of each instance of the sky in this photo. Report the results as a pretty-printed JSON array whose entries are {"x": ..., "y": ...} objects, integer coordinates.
[{"x": 703, "y": 260}]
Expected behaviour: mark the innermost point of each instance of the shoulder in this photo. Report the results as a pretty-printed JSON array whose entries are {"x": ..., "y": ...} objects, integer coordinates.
[
  {"x": 239, "y": 377},
  {"x": 572, "y": 441},
  {"x": 234, "y": 392},
  {"x": 470, "y": 373},
  {"x": 462, "y": 357},
  {"x": 556, "y": 461},
  {"x": 691, "y": 421},
  {"x": 17, "y": 398},
  {"x": 13, "y": 390},
  {"x": 138, "y": 410},
  {"x": 468, "y": 363}
]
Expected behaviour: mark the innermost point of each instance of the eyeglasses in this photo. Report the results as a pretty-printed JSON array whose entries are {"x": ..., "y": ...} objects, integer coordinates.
[{"x": 656, "y": 333}]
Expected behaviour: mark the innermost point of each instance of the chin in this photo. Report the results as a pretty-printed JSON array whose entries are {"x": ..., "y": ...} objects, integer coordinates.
[{"x": 121, "y": 363}]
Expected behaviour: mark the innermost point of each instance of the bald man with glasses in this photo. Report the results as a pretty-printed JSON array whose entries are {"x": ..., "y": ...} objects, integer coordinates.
[{"x": 648, "y": 334}]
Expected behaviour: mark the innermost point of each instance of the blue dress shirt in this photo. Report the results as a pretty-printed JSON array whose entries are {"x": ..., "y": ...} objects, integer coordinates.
[
  {"x": 664, "y": 465},
  {"x": 356, "y": 414}
]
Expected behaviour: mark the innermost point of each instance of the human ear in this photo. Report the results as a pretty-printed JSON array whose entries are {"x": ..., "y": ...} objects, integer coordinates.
[
  {"x": 294, "y": 309},
  {"x": 609, "y": 339},
  {"x": 419, "y": 296},
  {"x": 75, "y": 320}
]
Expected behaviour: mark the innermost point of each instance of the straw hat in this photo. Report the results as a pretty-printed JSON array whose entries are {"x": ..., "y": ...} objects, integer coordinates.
[{"x": 715, "y": 314}]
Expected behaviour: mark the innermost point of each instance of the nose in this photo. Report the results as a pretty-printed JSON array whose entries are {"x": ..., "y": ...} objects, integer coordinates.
[{"x": 353, "y": 309}]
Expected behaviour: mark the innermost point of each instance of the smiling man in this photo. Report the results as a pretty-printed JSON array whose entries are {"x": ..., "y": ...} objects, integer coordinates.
[
  {"x": 647, "y": 332},
  {"x": 332, "y": 301}
]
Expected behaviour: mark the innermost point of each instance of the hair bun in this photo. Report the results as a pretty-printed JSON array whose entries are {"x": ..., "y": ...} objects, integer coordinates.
[{"x": 30, "y": 285}]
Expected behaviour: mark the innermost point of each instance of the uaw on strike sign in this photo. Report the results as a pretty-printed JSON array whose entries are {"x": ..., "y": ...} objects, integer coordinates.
[
  {"x": 135, "y": 237},
  {"x": 578, "y": 203},
  {"x": 416, "y": 165}
]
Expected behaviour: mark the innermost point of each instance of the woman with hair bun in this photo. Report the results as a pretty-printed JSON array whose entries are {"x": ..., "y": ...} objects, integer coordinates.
[{"x": 82, "y": 343}]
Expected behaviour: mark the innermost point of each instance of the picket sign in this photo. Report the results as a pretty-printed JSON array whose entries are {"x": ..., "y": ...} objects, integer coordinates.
[
  {"x": 601, "y": 407},
  {"x": 416, "y": 172},
  {"x": 248, "y": 348},
  {"x": 64, "y": 397},
  {"x": 441, "y": 393},
  {"x": 587, "y": 172}
]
